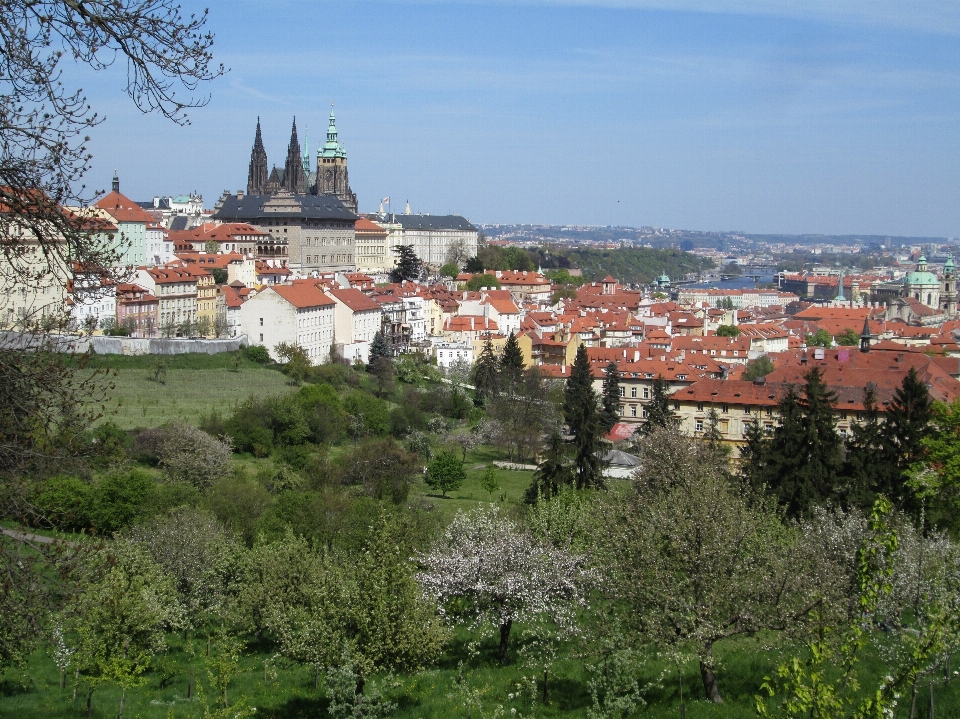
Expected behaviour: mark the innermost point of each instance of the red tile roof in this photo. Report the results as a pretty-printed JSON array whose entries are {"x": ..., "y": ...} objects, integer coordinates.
[
  {"x": 355, "y": 300},
  {"x": 302, "y": 295}
]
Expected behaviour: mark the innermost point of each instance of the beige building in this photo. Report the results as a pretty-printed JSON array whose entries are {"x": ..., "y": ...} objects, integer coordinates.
[
  {"x": 175, "y": 288},
  {"x": 374, "y": 256}
]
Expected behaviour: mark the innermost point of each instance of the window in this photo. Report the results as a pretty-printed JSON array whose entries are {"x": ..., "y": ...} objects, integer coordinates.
[
  {"x": 676, "y": 406},
  {"x": 261, "y": 337},
  {"x": 724, "y": 408},
  {"x": 769, "y": 411},
  {"x": 699, "y": 425},
  {"x": 633, "y": 410},
  {"x": 699, "y": 406},
  {"x": 633, "y": 391},
  {"x": 746, "y": 409},
  {"x": 646, "y": 393},
  {"x": 261, "y": 321},
  {"x": 621, "y": 410}
]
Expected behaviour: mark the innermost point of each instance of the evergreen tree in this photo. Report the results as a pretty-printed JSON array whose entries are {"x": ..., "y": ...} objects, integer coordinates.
[
  {"x": 753, "y": 455},
  {"x": 713, "y": 437},
  {"x": 486, "y": 373},
  {"x": 582, "y": 413},
  {"x": 870, "y": 466},
  {"x": 553, "y": 473},
  {"x": 908, "y": 419},
  {"x": 610, "y": 413},
  {"x": 511, "y": 360},
  {"x": 806, "y": 452},
  {"x": 409, "y": 266},
  {"x": 379, "y": 350},
  {"x": 659, "y": 413}
]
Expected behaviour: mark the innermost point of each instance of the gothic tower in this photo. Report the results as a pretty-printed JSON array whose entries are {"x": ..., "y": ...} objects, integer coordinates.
[
  {"x": 332, "y": 178},
  {"x": 293, "y": 178},
  {"x": 257, "y": 174}
]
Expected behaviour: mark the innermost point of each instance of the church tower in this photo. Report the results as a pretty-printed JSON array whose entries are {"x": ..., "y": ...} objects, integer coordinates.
[
  {"x": 948, "y": 292},
  {"x": 294, "y": 179},
  {"x": 332, "y": 178},
  {"x": 257, "y": 174}
]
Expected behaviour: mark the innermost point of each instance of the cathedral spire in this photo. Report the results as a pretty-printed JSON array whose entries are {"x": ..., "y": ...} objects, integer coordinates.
[
  {"x": 306, "y": 152},
  {"x": 294, "y": 179},
  {"x": 257, "y": 173}
]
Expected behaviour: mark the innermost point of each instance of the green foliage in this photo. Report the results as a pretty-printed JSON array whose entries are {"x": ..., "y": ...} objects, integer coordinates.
[
  {"x": 610, "y": 398},
  {"x": 381, "y": 467},
  {"x": 450, "y": 270},
  {"x": 64, "y": 502},
  {"x": 728, "y": 331},
  {"x": 489, "y": 482},
  {"x": 238, "y": 502},
  {"x": 659, "y": 412},
  {"x": 258, "y": 354},
  {"x": 296, "y": 363},
  {"x": 511, "y": 360},
  {"x": 219, "y": 275},
  {"x": 479, "y": 281},
  {"x": 759, "y": 367},
  {"x": 445, "y": 473},
  {"x": 581, "y": 410},
  {"x": 379, "y": 350},
  {"x": 486, "y": 372},
  {"x": 119, "y": 499},
  {"x": 554, "y": 472},
  {"x": 342, "y": 680},
  {"x": 371, "y": 415},
  {"x": 409, "y": 266},
  {"x": 848, "y": 338},
  {"x": 936, "y": 480},
  {"x": 820, "y": 338}
]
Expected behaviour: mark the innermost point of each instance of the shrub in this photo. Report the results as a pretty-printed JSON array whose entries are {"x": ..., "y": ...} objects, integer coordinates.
[
  {"x": 64, "y": 502},
  {"x": 119, "y": 499},
  {"x": 258, "y": 354},
  {"x": 382, "y": 467},
  {"x": 238, "y": 502},
  {"x": 370, "y": 410},
  {"x": 190, "y": 456}
]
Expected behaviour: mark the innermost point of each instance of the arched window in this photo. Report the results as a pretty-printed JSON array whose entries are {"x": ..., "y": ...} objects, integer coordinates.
[{"x": 929, "y": 299}]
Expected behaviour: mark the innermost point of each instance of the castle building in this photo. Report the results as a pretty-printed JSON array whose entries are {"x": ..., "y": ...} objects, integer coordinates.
[
  {"x": 296, "y": 177},
  {"x": 921, "y": 297}
]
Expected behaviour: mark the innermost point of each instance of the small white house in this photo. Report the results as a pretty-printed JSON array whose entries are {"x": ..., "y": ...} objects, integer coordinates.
[
  {"x": 448, "y": 353},
  {"x": 299, "y": 313},
  {"x": 358, "y": 319}
]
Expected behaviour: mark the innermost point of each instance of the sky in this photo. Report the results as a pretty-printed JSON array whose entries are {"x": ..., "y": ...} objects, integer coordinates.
[{"x": 780, "y": 116}]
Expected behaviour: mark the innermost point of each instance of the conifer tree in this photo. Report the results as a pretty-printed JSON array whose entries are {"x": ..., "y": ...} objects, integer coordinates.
[
  {"x": 511, "y": 360},
  {"x": 611, "y": 398},
  {"x": 753, "y": 455},
  {"x": 908, "y": 419},
  {"x": 582, "y": 413},
  {"x": 379, "y": 350},
  {"x": 553, "y": 473},
  {"x": 409, "y": 266},
  {"x": 486, "y": 373},
  {"x": 871, "y": 466},
  {"x": 659, "y": 413}
]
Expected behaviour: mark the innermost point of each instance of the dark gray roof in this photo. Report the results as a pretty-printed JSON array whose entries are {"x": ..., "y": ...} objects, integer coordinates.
[
  {"x": 620, "y": 459},
  {"x": 316, "y": 207},
  {"x": 163, "y": 204},
  {"x": 179, "y": 222},
  {"x": 431, "y": 222}
]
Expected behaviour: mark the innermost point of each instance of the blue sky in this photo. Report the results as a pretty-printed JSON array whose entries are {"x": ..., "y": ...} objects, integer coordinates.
[{"x": 753, "y": 115}]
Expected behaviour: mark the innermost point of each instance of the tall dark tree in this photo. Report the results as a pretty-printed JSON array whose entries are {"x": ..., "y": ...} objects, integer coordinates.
[
  {"x": 409, "y": 266},
  {"x": 610, "y": 413},
  {"x": 754, "y": 454},
  {"x": 582, "y": 412},
  {"x": 553, "y": 473},
  {"x": 659, "y": 413},
  {"x": 871, "y": 463},
  {"x": 805, "y": 457},
  {"x": 511, "y": 360},
  {"x": 486, "y": 373},
  {"x": 379, "y": 350},
  {"x": 908, "y": 419}
]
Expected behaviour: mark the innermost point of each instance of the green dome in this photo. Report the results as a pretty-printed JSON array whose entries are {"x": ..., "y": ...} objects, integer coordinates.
[
  {"x": 663, "y": 278},
  {"x": 921, "y": 278}
]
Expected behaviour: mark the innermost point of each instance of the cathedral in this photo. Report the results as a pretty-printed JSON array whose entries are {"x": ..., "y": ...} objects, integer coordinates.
[{"x": 329, "y": 177}]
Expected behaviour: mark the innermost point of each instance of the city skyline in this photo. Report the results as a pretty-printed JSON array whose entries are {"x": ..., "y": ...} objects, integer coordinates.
[{"x": 717, "y": 116}]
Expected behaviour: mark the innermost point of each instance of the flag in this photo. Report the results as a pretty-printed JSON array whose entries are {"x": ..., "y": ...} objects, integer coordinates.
[{"x": 386, "y": 199}]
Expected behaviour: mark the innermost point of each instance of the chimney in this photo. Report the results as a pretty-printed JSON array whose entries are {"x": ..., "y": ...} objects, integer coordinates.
[{"x": 239, "y": 194}]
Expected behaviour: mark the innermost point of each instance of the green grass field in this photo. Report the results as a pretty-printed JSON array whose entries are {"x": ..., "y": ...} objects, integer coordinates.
[{"x": 194, "y": 386}]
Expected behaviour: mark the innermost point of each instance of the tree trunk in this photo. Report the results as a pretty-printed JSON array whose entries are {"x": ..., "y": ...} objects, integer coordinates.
[
  {"x": 190, "y": 683},
  {"x": 710, "y": 686},
  {"x": 930, "y": 714},
  {"x": 546, "y": 696},
  {"x": 76, "y": 683},
  {"x": 89, "y": 700},
  {"x": 360, "y": 684},
  {"x": 63, "y": 678},
  {"x": 504, "y": 638},
  {"x": 123, "y": 696},
  {"x": 913, "y": 701}
]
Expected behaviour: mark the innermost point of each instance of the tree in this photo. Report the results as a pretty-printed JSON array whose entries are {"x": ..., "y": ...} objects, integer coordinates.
[
  {"x": 728, "y": 331},
  {"x": 486, "y": 372},
  {"x": 445, "y": 473},
  {"x": 409, "y": 266},
  {"x": 936, "y": 480},
  {"x": 804, "y": 459},
  {"x": 382, "y": 468},
  {"x": 195, "y": 550},
  {"x": 379, "y": 349},
  {"x": 848, "y": 338},
  {"x": 908, "y": 419},
  {"x": 870, "y": 466},
  {"x": 511, "y": 360},
  {"x": 697, "y": 559},
  {"x": 219, "y": 275},
  {"x": 759, "y": 367},
  {"x": 820, "y": 338},
  {"x": 192, "y": 456},
  {"x": 555, "y": 472},
  {"x": 450, "y": 270},
  {"x": 118, "y": 623},
  {"x": 610, "y": 412},
  {"x": 659, "y": 413},
  {"x": 474, "y": 266},
  {"x": 481, "y": 281},
  {"x": 489, "y": 481},
  {"x": 521, "y": 414},
  {"x": 296, "y": 361},
  {"x": 485, "y": 569},
  {"x": 580, "y": 409}
]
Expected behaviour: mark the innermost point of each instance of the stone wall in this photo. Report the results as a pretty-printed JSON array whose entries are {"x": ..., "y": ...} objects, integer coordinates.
[{"x": 122, "y": 345}]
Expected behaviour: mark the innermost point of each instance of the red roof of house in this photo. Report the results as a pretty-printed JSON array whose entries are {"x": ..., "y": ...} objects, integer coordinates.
[
  {"x": 302, "y": 294},
  {"x": 123, "y": 208},
  {"x": 355, "y": 300},
  {"x": 365, "y": 225}
]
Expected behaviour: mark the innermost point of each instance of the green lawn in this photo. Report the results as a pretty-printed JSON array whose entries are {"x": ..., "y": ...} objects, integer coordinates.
[{"x": 187, "y": 394}]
